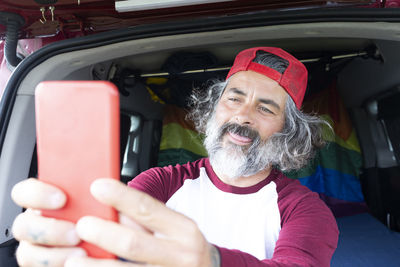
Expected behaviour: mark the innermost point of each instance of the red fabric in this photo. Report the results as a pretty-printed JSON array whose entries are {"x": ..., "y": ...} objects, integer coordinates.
[{"x": 293, "y": 80}]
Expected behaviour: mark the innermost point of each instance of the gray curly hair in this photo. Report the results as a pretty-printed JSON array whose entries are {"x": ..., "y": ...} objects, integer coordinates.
[{"x": 294, "y": 146}]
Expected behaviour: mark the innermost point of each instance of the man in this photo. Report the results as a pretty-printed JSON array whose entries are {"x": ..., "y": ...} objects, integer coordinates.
[{"x": 235, "y": 208}]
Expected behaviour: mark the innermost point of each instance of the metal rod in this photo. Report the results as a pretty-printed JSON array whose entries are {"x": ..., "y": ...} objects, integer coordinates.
[
  {"x": 185, "y": 72},
  {"x": 158, "y": 74}
]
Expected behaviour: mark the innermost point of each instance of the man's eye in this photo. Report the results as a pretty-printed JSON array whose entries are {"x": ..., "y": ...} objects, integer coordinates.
[
  {"x": 266, "y": 110},
  {"x": 233, "y": 99}
]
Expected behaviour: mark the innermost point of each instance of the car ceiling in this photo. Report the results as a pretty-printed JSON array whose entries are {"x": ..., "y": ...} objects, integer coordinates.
[
  {"x": 72, "y": 18},
  {"x": 150, "y": 54}
]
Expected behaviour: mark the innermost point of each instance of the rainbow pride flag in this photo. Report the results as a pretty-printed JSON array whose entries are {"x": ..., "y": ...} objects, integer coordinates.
[
  {"x": 180, "y": 142},
  {"x": 334, "y": 171}
]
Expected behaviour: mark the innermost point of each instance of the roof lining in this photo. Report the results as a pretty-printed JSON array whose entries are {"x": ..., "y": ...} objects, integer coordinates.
[{"x": 69, "y": 62}]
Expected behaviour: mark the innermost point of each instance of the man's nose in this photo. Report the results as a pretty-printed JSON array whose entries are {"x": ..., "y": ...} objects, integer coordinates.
[{"x": 244, "y": 115}]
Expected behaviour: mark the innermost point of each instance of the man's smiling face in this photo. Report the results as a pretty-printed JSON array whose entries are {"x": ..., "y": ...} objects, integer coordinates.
[
  {"x": 250, "y": 110},
  {"x": 253, "y": 100}
]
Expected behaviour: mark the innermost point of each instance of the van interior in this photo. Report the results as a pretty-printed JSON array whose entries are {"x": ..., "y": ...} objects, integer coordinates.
[{"x": 354, "y": 83}]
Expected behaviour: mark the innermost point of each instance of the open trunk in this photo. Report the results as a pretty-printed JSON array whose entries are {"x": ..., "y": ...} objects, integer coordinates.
[{"x": 353, "y": 65}]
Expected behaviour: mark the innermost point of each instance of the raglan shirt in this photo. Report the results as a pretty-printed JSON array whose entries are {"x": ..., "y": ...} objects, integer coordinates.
[{"x": 277, "y": 222}]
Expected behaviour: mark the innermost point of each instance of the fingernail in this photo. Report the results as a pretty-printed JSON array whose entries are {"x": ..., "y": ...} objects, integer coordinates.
[
  {"x": 57, "y": 200},
  {"x": 100, "y": 187},
  {"x": 72, "y": 237},
  {"x": 81, "y": 227},
  {"x": 85, "y": 227}
]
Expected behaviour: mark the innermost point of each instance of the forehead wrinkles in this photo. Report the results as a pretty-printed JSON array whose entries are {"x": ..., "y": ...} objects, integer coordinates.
[{"x": 262, "y": 86}]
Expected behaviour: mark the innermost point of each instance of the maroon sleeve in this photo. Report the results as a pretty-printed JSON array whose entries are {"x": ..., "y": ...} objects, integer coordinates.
[
  {"x": 308, "y": 235},
  {"x": 162, "y": 183},
  {"x": 154, "y": 182}
]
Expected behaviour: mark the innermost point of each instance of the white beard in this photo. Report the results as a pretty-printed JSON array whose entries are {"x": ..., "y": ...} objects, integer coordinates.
[
  {"x": 236, "y": 161},
  {"x": 230, "y": 163}
]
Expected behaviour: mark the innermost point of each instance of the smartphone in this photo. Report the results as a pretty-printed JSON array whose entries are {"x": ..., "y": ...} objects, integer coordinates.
[{"x": 77, "y": 126}]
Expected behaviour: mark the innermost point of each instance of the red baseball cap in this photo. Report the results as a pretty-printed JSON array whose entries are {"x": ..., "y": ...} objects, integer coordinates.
[{"x": 293, "y": 79}]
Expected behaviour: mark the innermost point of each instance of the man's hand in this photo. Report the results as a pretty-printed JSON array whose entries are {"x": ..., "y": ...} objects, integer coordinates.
[
  {"x": 36, "y": 232},
  {"x": 148, "y": 233},
  {"x": 164, "y": 238}
]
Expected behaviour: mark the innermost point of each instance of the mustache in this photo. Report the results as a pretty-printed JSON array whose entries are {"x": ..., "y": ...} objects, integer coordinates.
[{"x": 238, "y": 129}]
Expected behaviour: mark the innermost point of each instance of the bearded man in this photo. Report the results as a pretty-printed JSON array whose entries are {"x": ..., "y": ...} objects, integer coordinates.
[{"x": 234, "y": 208}]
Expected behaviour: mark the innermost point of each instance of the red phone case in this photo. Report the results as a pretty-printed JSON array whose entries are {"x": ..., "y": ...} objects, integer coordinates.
[{"x": 77, "y": 125}]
